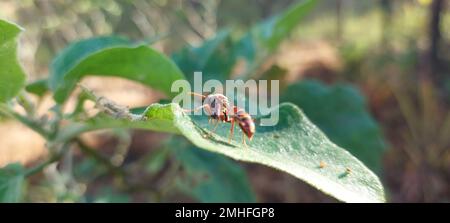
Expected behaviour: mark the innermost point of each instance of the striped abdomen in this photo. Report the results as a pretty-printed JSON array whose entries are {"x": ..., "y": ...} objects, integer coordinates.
[{"x": 246, "y": 123}]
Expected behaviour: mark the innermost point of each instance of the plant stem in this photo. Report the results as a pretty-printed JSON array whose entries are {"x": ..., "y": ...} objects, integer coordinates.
[
  {"x": 41, "y": 166},
  {"x": 90, "y": 151},
  {"x": 54, "y": 158},
  {"x": 108, "y": 106},
  {"x": 6, "y": 110},
  {"x": 25, "y": 102}
]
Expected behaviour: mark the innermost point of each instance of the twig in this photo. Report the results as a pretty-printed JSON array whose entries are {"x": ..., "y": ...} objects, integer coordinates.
[
  {"x": 7, "y": 111},
  {"x": 105, "y": 161},
  {"x": 54, "y": 158},
  {"x": 26, "y": 104},
  {"x": 110, "y": 107}
]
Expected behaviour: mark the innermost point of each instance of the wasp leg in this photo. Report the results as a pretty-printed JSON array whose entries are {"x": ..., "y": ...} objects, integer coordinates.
[
  {"x": 197, "y": 94},
  {"x": 211, "y": 120},
  {"x": 205, "y": 106},
  {"x": 243, "y": 140},
  {"x": 231, "y": 131},
  {"x": 193, "y": 110},
  {"x": 208, "y": 110},
  {"x": 215, "y": 126},
  {"x": 209, "y": 113}
]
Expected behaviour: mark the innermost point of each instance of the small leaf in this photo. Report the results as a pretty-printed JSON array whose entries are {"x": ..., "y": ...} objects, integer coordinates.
[
  {"x": 213, "y": 58},
  {"x": 265, "y": 37},
  {"x": 271, "y": 32},
  {"x": 294, "y": 145},
  {"x": 156, "y": 161},
  {"x": 340, "y": 112},
  {"x": 11, "y": 182},
  {"x": 210, "y": 177},
  {"x": 12, "y": 77},
  {"x": 38, "y": 87},
  {"x": 111, "y": 56}
]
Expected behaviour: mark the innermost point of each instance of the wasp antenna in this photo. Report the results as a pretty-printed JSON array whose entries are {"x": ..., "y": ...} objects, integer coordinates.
[{"x": 197, "y": 94}]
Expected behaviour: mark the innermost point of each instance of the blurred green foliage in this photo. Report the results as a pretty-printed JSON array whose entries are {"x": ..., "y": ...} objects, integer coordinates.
[
  {"x": 371, "y": 49},
  {"x": 12, "y": 77},
  {"x": 11, "y": 183}
]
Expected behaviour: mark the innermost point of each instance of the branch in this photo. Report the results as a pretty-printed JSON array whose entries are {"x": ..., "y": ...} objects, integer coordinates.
[
  {"x": 110, "y": 107},
  {"x": 105, "y": 161},
  {"x": 54, "y": 158},
  {"x": 25, "y": 102},
  {"x": 35, "y": 126}
]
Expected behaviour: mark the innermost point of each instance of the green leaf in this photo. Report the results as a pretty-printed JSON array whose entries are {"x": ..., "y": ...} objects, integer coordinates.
[
  {"x": 213, "y": 58},
  {"x": 11, "y": 181},
  {"x": 265, "y": 37},
  {"x": 340, "y": 112},
  {"x": 210, "y": 177},
  {"x": 12, "y": 77},
  {"x": 294, "y": 145},
  {"x": 271, "y": 32},
  {"x": 111, "y": 56},
  {"x": 156, "y": 161},
  {"x": 38, "y": 87}
]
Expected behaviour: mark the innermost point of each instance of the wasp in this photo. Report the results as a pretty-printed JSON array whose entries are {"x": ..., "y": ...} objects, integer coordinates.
[{"x": 218, "y": 108}]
